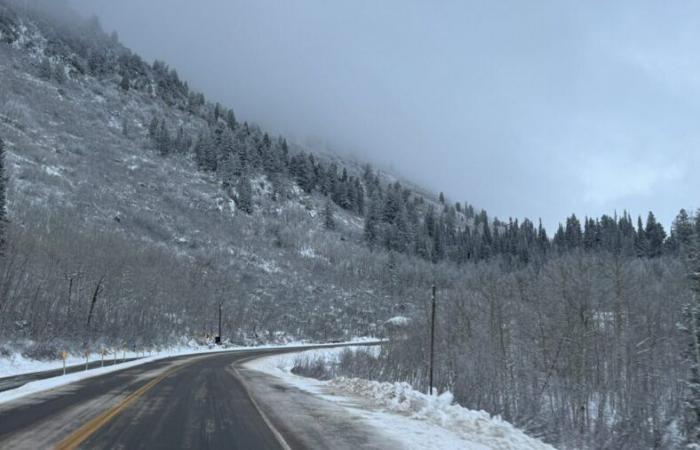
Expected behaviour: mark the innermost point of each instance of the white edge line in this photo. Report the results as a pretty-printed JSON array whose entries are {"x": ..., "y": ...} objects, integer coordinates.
[{"x": 267, "y": 421}]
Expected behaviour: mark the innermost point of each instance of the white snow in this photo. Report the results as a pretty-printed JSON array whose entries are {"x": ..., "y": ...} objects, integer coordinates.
[
  {"x": 399, "y": 321},
  {"x": 401, "y": 413},
  {"x": 53, "y": 171},
  {"x": 307, "y": 252},
  {"x": 18, "y": 365}
]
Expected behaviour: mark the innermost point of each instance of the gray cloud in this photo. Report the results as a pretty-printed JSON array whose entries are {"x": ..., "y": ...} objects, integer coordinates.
[{"x": 535, "y": 109}]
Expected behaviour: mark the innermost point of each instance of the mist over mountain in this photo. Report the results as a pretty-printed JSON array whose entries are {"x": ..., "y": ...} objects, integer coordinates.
[
  {"x": 483, "y": 95},
  {"x": 147, "y": 204}
]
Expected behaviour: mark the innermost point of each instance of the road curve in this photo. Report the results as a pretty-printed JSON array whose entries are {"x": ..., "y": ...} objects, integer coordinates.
[{"x": 194, "y": 402}]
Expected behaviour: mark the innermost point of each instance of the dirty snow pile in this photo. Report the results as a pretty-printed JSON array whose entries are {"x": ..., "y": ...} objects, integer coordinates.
[{"x": 415, "y": 419}]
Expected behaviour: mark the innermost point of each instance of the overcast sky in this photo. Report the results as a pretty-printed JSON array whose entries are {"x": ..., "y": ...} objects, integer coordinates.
[{"x": 527, "y": 109}]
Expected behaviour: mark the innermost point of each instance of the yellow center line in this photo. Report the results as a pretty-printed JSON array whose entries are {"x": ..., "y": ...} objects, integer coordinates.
[{"x": 83, "y": 433}]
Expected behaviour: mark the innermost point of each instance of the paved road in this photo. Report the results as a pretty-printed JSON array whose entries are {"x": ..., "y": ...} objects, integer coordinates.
[
  {"x": 16, "y": 381},
  {"x": 195, "y": 402}
]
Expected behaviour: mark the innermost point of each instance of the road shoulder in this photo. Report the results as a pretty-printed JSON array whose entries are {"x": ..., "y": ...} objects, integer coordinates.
[{"x": 309, "y": 421}]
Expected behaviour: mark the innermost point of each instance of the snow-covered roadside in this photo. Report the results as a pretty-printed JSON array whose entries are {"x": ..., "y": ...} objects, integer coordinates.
[
  {"x": 16, "y": 364},
  {"x": 401, "y": 413},
  {"x": 54, "y": 382}
]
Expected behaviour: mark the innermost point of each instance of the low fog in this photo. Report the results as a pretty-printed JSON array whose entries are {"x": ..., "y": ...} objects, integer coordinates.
[{"x": 525, "y": 109}]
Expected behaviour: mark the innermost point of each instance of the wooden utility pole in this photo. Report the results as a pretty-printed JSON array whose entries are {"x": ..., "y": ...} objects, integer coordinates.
[
  {"x": 218, "y": 339},
  {"x": 432, "y": 342}
]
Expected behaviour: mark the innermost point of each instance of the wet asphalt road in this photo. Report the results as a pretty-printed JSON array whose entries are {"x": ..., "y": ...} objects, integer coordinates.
[{"x": 195, "y": 402}]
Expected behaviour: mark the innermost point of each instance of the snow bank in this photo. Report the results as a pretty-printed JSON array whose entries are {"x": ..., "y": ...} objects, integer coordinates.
[
  {"x": 475, "y": 426},
  {"x": 54, "y": 382},
  {"x": 415, "y": 419}
]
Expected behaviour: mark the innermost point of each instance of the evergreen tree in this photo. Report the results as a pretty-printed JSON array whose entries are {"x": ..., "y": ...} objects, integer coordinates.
[
  {"x": 211, "y": 156},
  {"x": 244, "y": 200},
  {"x": 231, "y": 119},
  {"x": 590, "y": 234},
  {"x": 542, "y": 239},
  {"x": 328, "y": 218},
  {"x": 655, "y": 236},
  {"x": 163, "y": 139},
  {"x": 182, "y": 141},
  {"x": 682, "y": 230},
  {"x": 125, "y": 83},
  {"x": 690, "y": 326},
  {"x": 641, "y": 244},
  {"x": 153, "y": 127},
  {"x": 559, "y": 240},
  {"x": 572, "y": 234},
  {"x": 372, "y": 221},
  {"x": 3, "y": 200}
]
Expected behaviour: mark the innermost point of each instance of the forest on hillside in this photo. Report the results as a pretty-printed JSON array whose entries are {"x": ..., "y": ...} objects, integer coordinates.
[{"x": 588, "y": 337}]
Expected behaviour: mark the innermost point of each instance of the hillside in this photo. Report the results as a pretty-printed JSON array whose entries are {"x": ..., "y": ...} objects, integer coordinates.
[
  {"x": 138, "y": 211},
  {"x": 80, "y": 162}
]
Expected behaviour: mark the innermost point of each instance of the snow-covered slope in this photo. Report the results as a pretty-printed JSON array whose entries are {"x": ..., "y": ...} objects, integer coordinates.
[{"x": 79, "y": 156}]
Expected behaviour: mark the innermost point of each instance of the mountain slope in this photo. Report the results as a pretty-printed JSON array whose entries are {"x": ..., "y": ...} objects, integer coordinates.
[{"x": 82, "y": 166}]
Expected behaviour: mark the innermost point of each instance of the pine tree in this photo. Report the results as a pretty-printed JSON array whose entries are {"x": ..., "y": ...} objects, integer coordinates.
[
  {"x": 655, "y": 236},
  {"x": 125, "y": 83},
  {"x": 210, "y": 153},
  {"x": 559, "y": 240},
  {"x": 153, "y": 127},
  {"x": 690, "y": 326},
  {"x": 372, "y": 230},
  {"x": 231, "y": 119},
  {"x": 573, "y": 235},
  {"x": 542, "y": 238},
  {"x": 682, "y": 230},
  {"x": 590, "y": 234},
  {"x": 641, "y": 244},
  {"x": 244, "y": 200},
  {"x": 3, "y": 199},
  {"x": 328, "y": 219},
  {"x": 163, "y": 139}
]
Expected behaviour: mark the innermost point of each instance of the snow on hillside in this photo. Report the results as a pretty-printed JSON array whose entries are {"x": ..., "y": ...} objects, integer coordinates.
[{"x": 415, "y": 419}]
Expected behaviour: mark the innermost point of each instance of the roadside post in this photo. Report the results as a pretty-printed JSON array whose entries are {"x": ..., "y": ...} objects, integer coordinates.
[
  {"x": 64, "y": 355},
  {"x": 103, "y": 352},
  {"x": 115, "y": 357},
  {"x": 432, "y": 342},
  {"x": 87, "y": 358}
]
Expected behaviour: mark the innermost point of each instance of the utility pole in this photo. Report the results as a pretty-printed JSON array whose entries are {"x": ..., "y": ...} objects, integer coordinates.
[
  {"x": 432, "y": 342},
  {"x": 218, "y": 338}
]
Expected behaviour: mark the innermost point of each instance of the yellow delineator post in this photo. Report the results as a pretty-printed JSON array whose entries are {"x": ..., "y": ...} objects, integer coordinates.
[{"x": 64, "y": 355}]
